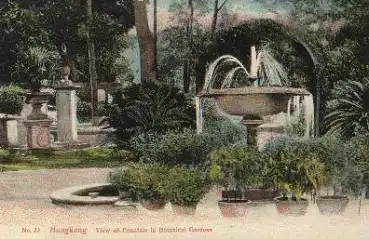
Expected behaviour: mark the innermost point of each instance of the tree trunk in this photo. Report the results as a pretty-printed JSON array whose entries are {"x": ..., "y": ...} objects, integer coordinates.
[
  {"x": 155, "y": 33},
  {"x": 146, "y": 43},
  {"x": 215, "y": 18},
  {"x": 187, "y": 63},
  {"x": 92, "y": 66}
]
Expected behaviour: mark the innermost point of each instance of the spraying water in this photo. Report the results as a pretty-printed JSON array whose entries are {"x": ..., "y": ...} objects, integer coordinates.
[
  {"x": 264, "y": 67},
  {"x": 266, "y": 71}
]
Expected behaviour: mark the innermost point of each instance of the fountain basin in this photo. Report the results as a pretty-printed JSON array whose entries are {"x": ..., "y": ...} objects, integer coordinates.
[{"x": 254, "y": 102}]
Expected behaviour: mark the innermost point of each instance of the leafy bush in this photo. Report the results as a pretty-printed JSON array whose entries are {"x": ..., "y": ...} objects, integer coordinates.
[
  {"x": 238, "y": 168},
  {"x": 141, "y": 181},
  {"x": 84, "y": 110},
  {"x": 226, "y": 131},
  {"x": 178, "y": 146},
  {"x": 335, "y": 155},
  {"x": 349, "y": 109},
  {"x": 12, "y": 99},
  {"x": 186, "y": 187},
  {"x": 151, "y": 107},
  {"x": 297, "y": 171},
  {"x": 38, "y": 65},
  {"x": 173, "y": 147},
  {"x": 274, "y": 146},
  {"x": 296, "y": 164},
  {"x": 344, "y": 162}
]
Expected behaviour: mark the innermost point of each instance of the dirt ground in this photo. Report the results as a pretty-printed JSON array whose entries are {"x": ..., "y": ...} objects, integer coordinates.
[{"x": 27, "y": 212}]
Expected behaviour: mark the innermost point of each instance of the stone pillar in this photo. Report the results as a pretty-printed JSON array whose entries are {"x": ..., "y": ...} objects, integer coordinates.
[
  {"x": 66, "y": 105},
  {"x": 4, "y": 131}
]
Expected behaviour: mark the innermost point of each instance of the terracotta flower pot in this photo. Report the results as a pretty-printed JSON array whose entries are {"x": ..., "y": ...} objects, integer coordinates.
[
  {"x": 332, "y": 205},
  {"x": 184, "y": 210},
  {"x": 153, "y": 205},
  {"x": 234, "y": 208},
  {"x": 291, "y": 207}
]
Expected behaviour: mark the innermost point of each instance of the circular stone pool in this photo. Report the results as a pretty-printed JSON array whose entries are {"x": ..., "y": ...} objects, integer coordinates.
[{"x": 90, "y": 194}]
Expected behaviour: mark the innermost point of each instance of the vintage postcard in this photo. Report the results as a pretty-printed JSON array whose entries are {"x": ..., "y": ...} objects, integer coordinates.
[{"x": 213, "y": 119}]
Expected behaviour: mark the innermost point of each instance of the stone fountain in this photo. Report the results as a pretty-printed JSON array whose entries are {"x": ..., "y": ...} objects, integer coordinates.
[{"x": 265, "y": 103}]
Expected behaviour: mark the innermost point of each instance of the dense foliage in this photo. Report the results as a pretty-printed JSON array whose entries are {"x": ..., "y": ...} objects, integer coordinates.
[
  {"x": 186, "y": 187},
  {"x": 141, "y": 181},
  {"x": 151, "y": 107},
  {"x": 349, "y": 109},
  {"x": 47, "y": 25},
  {"x": 12, "y": 99},
  {"x": 239, "y": 168}
]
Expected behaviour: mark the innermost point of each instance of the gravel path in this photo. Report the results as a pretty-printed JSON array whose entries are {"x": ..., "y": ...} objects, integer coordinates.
[{"x": 26, "y": 212}]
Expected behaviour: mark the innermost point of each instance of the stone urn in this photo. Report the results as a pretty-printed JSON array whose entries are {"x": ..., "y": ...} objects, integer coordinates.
[{"x": 37, "y": 99}]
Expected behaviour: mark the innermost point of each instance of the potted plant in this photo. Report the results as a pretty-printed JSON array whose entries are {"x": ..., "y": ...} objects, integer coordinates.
[
  {"x": 236, "y": 170},
  {"x": 185, "y": 188},
  {"x": 38, "y": 66},
  {"x": 143, "y": 183},
  {"x": 296, "y": 172},
  {"x": 335, "y": 155}
]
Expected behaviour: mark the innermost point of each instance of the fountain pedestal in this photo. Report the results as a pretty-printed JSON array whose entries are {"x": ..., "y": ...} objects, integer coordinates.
[
  {"x": 266, "y": 132},
  {"x": 252, "y": 125}
]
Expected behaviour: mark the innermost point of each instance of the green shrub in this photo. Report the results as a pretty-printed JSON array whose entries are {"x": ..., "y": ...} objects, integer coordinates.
[
  {"x": 226, "y": 131},
  {"x": 177, "y": 146},
  {"x": 150, "y": 107},
  {"x": 4, "y": 155},
  {"x": 84, "y": 110},
  {"x": 335, "y": 155},
  {"x": 186, "y": 187},
  {"x": 297, "y": 172},
  {"x": 275, "y": 146},
  {"x": 344, "y": 162},
  {"x": 173, "y": 147},
  {"x": 296, "y": 164},
  {"x": 141, "y": 181},
  {"x": 238, "y": 168},
  {"x": 12, "y": 99}
]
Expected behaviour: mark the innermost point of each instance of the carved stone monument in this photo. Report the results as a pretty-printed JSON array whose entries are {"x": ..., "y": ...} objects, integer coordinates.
[{"x": 38, "y": 123}]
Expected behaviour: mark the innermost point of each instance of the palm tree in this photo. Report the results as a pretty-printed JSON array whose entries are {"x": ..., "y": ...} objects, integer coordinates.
[{"x": 349, "y": 109}]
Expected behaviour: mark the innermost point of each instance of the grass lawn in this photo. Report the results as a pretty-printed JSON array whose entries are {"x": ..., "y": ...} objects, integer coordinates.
[{"x": 102, "y": 157}]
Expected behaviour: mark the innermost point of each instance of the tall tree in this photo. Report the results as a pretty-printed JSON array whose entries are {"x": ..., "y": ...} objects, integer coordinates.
[
  {"x": 155, "y": 34},
  {"x": 216, "y": 11},
  {"x": 146, "y": 42},
  {"x": 187, "y": 60},
  {"x": 92, "y": 64}
]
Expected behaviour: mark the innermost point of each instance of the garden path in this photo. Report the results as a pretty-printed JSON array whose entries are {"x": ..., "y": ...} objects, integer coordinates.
[{"x": 24, "y": 204}]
